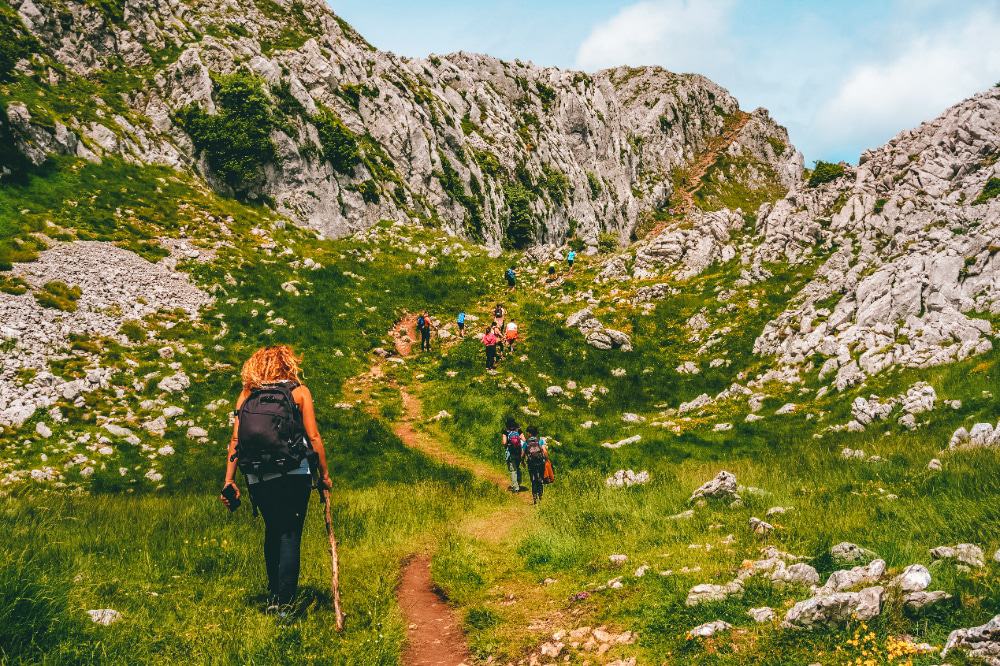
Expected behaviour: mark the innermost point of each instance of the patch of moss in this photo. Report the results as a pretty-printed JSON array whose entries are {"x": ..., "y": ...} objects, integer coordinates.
[
  {"x": 58, "y": 295},
  {"x": 133, "y": 330},
  {"x": 11, "y": 284},
  {"x": 340, "y": 144},
  {"x": 595, "y": 185},
  {"x": 990, "y": 190}
]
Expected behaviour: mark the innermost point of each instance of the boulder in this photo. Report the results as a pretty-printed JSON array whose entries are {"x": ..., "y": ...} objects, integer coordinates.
[
  {"x": 845, "y": 579},
  {"x": 849, "y": 553},
  {"x": 965, "y": 553},
  {"x": 707, "y": 593},
  {"x": 915, "y": 602},
  {"x": 915, "y": 578},
  {"x": 763, "y": 614},
  {"x": 722, "y": 487},
  {"x": 982, "y": 642},
  {"x": 834, "y": 609},
  {"x": 709, "y": 629}
]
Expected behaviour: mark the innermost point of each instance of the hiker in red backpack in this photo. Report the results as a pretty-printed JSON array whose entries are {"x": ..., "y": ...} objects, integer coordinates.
[
  {"x": 274, "y": 428},
  {"x": 512, "y": 440},
  {"x": 535, "y": 454}
]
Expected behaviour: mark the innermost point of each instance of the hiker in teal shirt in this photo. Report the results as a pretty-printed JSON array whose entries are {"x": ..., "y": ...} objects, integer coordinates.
[
  {"x": 570, "y": 258},
  {"x": 461, "y": 324}
]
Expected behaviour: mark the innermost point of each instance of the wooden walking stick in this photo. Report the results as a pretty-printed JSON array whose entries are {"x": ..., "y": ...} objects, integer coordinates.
[{"x": 335, "y": 566}]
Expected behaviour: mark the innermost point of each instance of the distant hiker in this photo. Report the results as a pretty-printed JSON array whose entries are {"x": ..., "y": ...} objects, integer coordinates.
[
  {"x": 570, "y": 258},
  {"x": 461, "y": 324},
  {"x": 499, "y": 316},
  {"x": 424, "y": 327},
  {"x": 511, "y": 335},
  {"x": 552, "y": 269},
  {"x": 512, "y": 442},
  {"x": 490, "y": 343},
  {"x": 274, "y": 428},
  {"x": 511, "y": 277},
  {"x": 535, "y": 453},
  {"x": 501, "y": 349}
]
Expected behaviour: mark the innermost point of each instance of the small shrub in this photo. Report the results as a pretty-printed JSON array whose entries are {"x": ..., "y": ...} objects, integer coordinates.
[
  {"x": 665, "y": 124},
  {"x": 577, "y": 244},
  {"x": 58, "y": 295},
  {"x": 368, "y": 191},
  {"x": 520, "y": 228},
  {"x": 990, "y": 190},
  {"x": 340, "y": 145},
  {"x": 133, "y": 330},
  {"x": 595, "y": 185},
  {"x": 13, "y": 285},
  {"x": 607, "y": 243},
  {"x": 777, "y": 145},
  {"x": 880, "y": 205},
  {"x": 824, "y": 172}
]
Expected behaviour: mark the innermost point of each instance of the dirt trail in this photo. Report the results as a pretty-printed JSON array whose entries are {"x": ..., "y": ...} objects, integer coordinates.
[
  {"x": 433, "y": 636},
  {"x": 697, "y": 170}
]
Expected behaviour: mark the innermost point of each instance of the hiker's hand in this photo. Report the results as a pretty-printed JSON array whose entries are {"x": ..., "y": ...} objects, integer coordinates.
[
  {"x": 325, "y": 483},
  {"x": 222, "y": 498}
]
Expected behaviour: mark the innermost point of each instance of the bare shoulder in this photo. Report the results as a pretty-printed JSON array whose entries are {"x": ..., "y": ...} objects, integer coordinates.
[
  {"x": 244, "y": 394},
  {"x": 301, "y": 393}
]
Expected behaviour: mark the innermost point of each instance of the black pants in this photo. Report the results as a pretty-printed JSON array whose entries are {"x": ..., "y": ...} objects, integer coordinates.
[
  {"x": 282, "y": 503},
  {"x": 425, "y": 339},
  {"x": 491, "y": 356},
  {"x": 536, "y": 469}
]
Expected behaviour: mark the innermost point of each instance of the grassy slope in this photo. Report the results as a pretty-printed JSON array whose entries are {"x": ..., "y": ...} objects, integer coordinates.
[
  {"x": 582, "y": 522},
  {"x": 90, "y": 546}
]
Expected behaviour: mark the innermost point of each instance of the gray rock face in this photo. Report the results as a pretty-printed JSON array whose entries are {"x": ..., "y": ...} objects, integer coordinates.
[
  {"x": 834, "y": 609},
  {"x": 595, "y": 334},
  {"x": 982, "y": 642},
  {"x": 614, "y": 136},
  {"x": 913, "y": 253}
]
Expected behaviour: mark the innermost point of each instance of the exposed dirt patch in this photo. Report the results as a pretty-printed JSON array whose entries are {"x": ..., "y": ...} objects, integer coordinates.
[
  {"x": 433, "y": 635},
  {"x": 699, "y": 167}
]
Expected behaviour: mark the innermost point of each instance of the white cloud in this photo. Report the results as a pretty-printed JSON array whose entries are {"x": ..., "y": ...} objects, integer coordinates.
[
  {"x": 677, "y": 34},
  {"x": 926, "y": 74}
]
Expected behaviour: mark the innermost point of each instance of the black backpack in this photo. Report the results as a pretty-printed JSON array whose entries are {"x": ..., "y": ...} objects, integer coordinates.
[
  {"x": 534, "y": 449},
  {"x": 421, "y": 323},
  {"x": 271, "y": 437}
]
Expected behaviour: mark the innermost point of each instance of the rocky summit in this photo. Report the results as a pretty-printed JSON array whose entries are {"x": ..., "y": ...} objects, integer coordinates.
[{"x": 768, "y": 392}]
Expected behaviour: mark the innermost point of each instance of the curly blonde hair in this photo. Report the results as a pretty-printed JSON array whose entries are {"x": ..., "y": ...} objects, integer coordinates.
[{"x": 269, "y": 365}]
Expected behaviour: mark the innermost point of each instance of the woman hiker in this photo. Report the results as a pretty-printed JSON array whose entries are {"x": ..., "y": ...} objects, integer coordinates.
[
  {"x": 535, "y": 453},
  {"x": 279, "y": 487},
  {"x": 490, "y": 340}
]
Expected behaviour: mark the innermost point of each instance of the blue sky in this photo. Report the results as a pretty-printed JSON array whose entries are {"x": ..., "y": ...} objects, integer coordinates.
[{"x": 842, "y": 76}]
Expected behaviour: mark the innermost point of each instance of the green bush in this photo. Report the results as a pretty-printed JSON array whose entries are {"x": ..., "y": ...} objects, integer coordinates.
[
  {"x": 58, "y": 295},
  {"x": 555, "y": 183},
  {"x": 454, "y": 187},
  {"x": 340, "y": 145},
  {"x": 520, "y": 229},
  {"x": 12, "y": 285},
  {"x": 237, "y": 140},
  {"x": 607, "y": 243},
  {"x": 824, "y": 172},
  {"x": 990, "y": 190},
  {"x": 368, "y": 191},
  {"x": 133, "y": 330},
  {"x": 880, "y": 205},
  {"x": 665, "y": 124},
  {"x": 595, "y": 185}
]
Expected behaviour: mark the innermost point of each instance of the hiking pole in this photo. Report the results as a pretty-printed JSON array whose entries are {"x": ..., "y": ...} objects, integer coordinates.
[{"x": 335, "y": 567}]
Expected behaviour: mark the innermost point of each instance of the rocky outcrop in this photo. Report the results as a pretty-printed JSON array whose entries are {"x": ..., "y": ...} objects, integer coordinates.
[
  {"x": 460, "y": 138},
  {"x": 982, "y": 642},
  {"x": 916, "y": 252}
]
